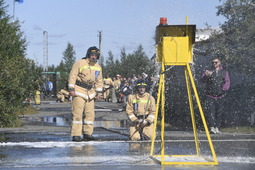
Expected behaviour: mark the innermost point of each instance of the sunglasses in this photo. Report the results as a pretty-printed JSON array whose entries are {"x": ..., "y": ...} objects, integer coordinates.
[{"x": 215, "y": 62}]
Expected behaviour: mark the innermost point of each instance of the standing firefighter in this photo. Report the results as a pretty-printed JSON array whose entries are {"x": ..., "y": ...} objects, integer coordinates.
[
  {"x": 141, "y": 111},
  {"x": 108, "y": 84},
  {"x": 85, "y": 82}
]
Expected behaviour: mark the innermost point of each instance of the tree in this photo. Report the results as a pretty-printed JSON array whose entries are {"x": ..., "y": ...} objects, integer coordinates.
[
  {"x": 101, "y": 61},
  {"x": 66, "y": 65},
  {"x": 123, "y": 62},
  {"x": 138, "y": 62},
  {"x": 110, "y": 66},
  {"x": 69, "y": 57},
  {"x": 237, "y": 39},
  {"x": 129, "y": 64},
  {"x": 19, "y": 77},
  {"x": 235, "y": 46}
]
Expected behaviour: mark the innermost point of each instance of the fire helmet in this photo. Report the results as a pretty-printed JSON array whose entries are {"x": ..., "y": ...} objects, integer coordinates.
[
  {"x": 141, "y": 83},
  {"x": 93, "y": 50}
]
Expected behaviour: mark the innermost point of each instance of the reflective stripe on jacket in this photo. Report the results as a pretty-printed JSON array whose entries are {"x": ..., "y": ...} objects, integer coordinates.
[
  {"x": 139, "y": 105},
  {"x": 108, "y": 82},
  {"x": 86, "y": 73}
]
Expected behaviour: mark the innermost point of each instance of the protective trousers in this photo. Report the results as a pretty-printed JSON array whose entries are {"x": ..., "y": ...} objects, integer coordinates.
[
  {"x": 106, "y": 94},
  {"x": 83, "y": 116},
  {"x": 61, "y": 97},
  {"x": 135, "y": 132}
]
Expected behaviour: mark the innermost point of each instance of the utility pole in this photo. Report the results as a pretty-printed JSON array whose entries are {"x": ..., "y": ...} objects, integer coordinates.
[
  {"x": 45, "y": 51},
  {"x": 100, "y": 40}
]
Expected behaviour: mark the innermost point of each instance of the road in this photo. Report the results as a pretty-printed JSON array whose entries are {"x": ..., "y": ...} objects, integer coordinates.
[{"x": 44, "y": 142}]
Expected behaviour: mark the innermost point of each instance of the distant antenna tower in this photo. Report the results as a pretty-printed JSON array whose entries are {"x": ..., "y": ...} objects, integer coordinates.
[{"x": 45, "y": 50}]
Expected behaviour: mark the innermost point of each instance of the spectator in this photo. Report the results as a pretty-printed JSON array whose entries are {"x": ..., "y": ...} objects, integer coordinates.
[
  {"x": 217, "y": 83},
  {"x": 126, "y": 90},
  {"x": 49, "y": 87}
]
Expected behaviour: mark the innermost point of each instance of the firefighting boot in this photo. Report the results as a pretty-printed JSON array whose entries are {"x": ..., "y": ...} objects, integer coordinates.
[
  {"x": 88, "y": 137},
  {"x": 77, "y": 139}
]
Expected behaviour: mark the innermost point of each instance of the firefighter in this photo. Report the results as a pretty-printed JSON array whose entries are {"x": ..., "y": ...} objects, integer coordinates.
[
  {"x": 62, "y": 95},
  {"x": 108, "y": 83},
  {"x": 85, "y": 83},
  {"x": 117, "y": 83},
  {"x": 141, "y": 111}
]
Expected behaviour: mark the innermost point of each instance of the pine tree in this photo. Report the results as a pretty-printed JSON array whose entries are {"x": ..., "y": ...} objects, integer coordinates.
[
  {"x": 69, "y": 57},
  {"x": 66, "y": 65},
  {"x": 19, "y": 77},
  {"x": 110, "y": 65}
]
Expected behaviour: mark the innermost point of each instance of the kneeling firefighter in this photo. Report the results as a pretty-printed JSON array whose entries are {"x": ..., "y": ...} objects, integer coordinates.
[
  {"x": 85, "y": 83},
  {"x": 141, "y": 111}
]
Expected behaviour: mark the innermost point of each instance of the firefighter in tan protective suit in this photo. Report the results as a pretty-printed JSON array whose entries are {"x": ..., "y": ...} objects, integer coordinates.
[
  {"x": 108, "y": 83},
  {"x": 85, "y": 83},
  {"x": 62, "y": 95},
  {"x": 117, "y": 83},
  {"x": 141, "y": 111}
]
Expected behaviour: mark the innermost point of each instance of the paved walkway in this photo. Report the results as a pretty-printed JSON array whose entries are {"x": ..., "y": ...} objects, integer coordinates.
[{"x": 44, "y": 142}]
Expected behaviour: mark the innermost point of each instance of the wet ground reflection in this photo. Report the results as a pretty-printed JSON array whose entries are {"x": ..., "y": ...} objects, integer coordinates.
[{"x": 61, "y": 121}]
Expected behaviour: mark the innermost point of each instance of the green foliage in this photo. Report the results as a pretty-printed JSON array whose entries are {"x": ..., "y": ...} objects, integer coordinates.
[
  {"x": 66, "y": 65},
  {"x": 235, "y": 46},
  {"x": 69, "y": 57},
  {"x": 129, "y": 64},
  {"x": 110, "y": 67},
  {"x": 240, "y": 129},
  {"x": 18, "y": 75},
  {"x": 101, "y": 61},
  {"x": 236, "y": 42}
]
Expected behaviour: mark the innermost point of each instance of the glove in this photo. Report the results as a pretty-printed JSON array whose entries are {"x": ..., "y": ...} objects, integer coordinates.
[
  {"x": 148, "y": 122},
  {"x": 136, "y": 122},
  {"x": 143, "y": 123}
]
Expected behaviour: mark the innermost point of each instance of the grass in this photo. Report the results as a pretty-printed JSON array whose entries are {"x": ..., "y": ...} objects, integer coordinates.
[
  {"x": 27, "y": 110},
  {"x": 240, "y": 129},
  {"x": 24, "y": 111}
]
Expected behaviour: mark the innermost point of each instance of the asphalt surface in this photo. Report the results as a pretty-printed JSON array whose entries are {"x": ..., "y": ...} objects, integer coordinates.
[{"x": 44, "y": 142}]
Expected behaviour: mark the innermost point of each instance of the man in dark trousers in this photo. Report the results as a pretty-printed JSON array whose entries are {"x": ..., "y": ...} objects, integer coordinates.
[{"x": 217, "y": 83}]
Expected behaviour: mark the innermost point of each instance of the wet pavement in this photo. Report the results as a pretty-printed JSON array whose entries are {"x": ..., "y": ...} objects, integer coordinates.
[{"x": 44, "y": 142}]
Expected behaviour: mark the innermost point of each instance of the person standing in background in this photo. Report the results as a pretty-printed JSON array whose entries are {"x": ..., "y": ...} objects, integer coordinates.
[{"x": 217, "y": 83}]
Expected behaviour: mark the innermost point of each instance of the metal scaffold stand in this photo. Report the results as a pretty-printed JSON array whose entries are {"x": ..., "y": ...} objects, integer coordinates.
[{"x": 174, "y": 48}]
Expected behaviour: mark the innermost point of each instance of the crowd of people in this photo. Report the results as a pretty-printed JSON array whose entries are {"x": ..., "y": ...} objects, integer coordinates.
[{"x": 123, "y": 86}]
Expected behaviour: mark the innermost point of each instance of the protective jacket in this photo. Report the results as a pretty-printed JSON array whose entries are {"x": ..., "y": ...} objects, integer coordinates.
[
  {"x": 62, "y": 94},
  {"x": 85, "y": 79},
  {"x": 108, "y": 82},
  {"x": 217, "y": 83},
  {"x": 139, "y": 105},
  {"x": 116, "y": 83}
]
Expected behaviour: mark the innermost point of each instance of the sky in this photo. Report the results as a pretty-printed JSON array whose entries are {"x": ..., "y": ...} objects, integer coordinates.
[{"x": 123, "y": 23}]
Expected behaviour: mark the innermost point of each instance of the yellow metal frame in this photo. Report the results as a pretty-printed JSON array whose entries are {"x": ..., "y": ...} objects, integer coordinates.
[{"x": 161, "y": 102}]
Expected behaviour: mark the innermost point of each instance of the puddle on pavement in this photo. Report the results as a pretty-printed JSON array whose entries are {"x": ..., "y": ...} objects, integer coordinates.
[{"x": 60, "y": 121}]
